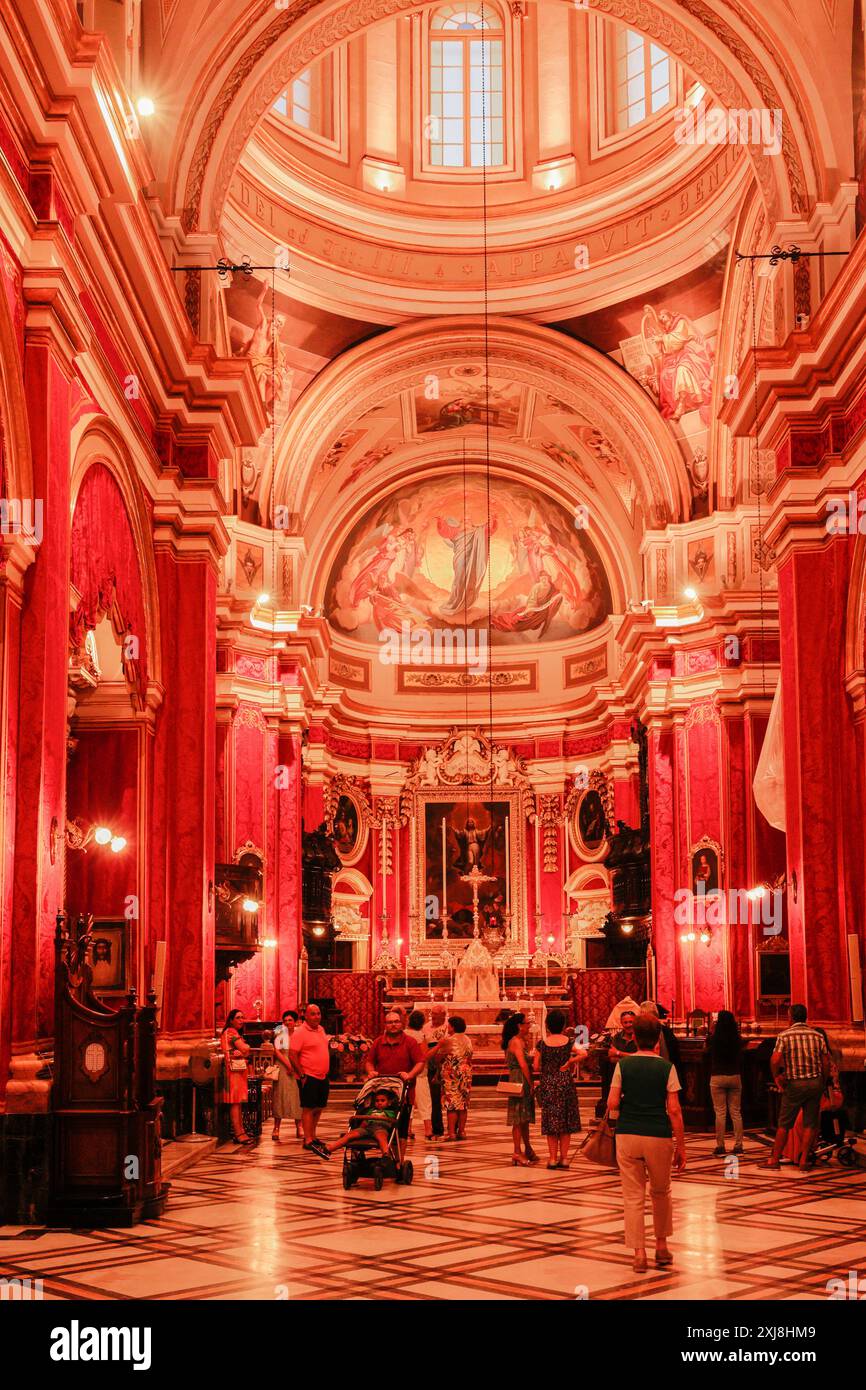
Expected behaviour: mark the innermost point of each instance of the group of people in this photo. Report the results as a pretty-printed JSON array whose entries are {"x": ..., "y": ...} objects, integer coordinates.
[
  {"x": 643, "y": 1106},
  {"x": 641, "y": 1080},
  {"x": 434, "y": 1058}
]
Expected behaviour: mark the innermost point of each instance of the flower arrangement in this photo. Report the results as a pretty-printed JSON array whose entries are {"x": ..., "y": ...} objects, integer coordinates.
[{"x": 350, "y": 1042}]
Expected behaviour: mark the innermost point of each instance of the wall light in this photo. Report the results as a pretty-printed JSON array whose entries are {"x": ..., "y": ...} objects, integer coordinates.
[
  {"x": 250, "y": 905},
  {"x": 690, "y": 594},
  {"x": 318, "y": 931},
  {"x": 118, "y": 843},
  {"x": 102, "y": 835},
  {"x": 145, "y": 106}
]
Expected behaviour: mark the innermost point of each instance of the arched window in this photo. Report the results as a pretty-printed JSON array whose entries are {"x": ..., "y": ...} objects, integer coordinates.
[
  {"x": 466, "y": 128},
  {"x": 308, "y": 101},
  {"x": 643, "y": 78}
]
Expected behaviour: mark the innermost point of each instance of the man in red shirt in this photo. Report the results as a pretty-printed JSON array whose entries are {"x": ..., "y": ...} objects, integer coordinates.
[
  {"x": 309, "y": 1057},
  {"x": 393, "y": 1054}
]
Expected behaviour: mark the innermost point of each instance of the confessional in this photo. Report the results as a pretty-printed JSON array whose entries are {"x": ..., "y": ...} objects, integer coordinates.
[{"x": 105, "y": 1112}]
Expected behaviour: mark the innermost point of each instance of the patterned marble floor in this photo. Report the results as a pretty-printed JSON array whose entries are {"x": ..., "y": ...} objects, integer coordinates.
[{"x": 275, "y": 1223}]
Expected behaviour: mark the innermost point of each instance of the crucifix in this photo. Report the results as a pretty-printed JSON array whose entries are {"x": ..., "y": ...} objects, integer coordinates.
[{"x": 476, "y": 878}]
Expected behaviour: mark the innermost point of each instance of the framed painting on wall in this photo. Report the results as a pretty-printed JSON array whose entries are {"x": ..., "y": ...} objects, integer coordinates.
[
  {"x": 349, "y": 828},
  {"x": 589, "y": 827},
  {"x": 109, "y": 955}
]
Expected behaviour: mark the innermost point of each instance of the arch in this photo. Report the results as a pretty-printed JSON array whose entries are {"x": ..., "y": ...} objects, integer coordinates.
[
  {"x": 101, "y": 446},
  {"x": 255, "y": 63},
  {"x": 354, "y": 882},
  {"x": 586, "y": 380}
]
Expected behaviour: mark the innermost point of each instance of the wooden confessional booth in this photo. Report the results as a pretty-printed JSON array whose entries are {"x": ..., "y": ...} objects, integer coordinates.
[{"x": 105, "y": 1159}]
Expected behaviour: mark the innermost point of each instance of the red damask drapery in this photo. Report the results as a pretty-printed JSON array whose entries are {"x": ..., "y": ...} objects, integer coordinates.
[{"x": 105, "y": 569}]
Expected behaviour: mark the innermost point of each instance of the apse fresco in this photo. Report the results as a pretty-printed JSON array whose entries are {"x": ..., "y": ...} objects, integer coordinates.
[{"x": 436, "y": 556}]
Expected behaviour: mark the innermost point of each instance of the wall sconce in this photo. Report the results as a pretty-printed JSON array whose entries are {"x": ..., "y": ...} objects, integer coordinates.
[
  {"x": 79, "y": 836},
  {"x": 778, "y": 885}
]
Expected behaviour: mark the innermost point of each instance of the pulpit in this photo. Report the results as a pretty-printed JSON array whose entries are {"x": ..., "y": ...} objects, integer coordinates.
[{"x": 105, "y": 1165}]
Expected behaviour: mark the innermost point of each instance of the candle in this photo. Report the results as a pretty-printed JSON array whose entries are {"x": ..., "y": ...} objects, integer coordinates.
[
  {"x": 429, "y": 985},
  {"x": 444, "y": 873},
  {"x": 565, "y": 883},
  {"x": 524, "y": 979},
  {"x": 406, "y": 977},
  {"x": 507, "y": 863},
  {"x": 537, "y": 869}
]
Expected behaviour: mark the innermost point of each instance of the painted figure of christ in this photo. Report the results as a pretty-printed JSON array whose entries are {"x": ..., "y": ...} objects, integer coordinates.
[{"x": 471, "y": 547}]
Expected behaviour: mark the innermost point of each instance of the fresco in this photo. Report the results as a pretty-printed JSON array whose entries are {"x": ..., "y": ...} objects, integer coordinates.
[
  {"x": 436, "y": 556},
  {"x": 462, "y": 399}
]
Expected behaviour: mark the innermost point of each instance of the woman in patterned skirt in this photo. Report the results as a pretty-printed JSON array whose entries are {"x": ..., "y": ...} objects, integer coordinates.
[
  {"x": 521, "y": 1109},
  {"x": 455, "y": 1059},
  {"x": 286, "y": 1097},
  {"x": 560, "y": 1112}
]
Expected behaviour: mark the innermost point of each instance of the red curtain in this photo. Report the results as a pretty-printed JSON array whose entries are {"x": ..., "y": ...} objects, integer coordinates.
[
  {"x": 105, "y": 564},
  {"x": 594, "y": 993},
  {"x": 359, "y": 997}
]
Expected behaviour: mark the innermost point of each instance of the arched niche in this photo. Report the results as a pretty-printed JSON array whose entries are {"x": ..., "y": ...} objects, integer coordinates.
[
  {"x": 588, "y": 895},
  {"x": 350, "y": 893}
]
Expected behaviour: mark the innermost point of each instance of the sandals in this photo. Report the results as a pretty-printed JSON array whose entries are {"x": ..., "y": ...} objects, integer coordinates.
[
  {"x": 640, "y": 1265},
  {"x": 664, "y": 1257},
  {"x": 518, "y": 1161}
]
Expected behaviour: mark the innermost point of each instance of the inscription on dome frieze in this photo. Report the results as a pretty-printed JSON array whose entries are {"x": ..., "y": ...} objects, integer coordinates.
[{"x": 321, "y": 243}]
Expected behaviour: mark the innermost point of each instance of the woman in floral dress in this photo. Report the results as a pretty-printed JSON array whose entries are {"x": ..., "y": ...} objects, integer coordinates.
[
  {"x": 454, "y": 1056},
  {"x": 521, "y": 1109},
  {"x": 560, "y": 1112}
]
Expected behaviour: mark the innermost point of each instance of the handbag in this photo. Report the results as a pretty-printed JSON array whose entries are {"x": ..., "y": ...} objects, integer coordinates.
[
  {"x": 599, "y": 1146},
  {"x": 237, "y": 1064},
  {"x": 272, "y": 1073},
  {"x": 509, "y": 1088}
]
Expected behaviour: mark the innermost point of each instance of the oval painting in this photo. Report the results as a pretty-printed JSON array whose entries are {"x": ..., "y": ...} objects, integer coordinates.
[
  {"x": 590, "y": 825},
  {"x": 348, "y": 830}
]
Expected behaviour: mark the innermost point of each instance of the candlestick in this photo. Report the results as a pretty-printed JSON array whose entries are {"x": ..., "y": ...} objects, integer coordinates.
[
  {"x": 429, "y": 977},
  {"x": 537, "y": 847},
  {"x": 444, "y": 872},
  {"x": 507, "y": 863}
]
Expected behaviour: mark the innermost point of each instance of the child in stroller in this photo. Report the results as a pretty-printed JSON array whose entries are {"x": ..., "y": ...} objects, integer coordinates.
[{"x": 370, "y": 1145}]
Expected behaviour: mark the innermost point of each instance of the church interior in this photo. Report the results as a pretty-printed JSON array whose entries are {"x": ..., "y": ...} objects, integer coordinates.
[{"x": 432, "y": 587}]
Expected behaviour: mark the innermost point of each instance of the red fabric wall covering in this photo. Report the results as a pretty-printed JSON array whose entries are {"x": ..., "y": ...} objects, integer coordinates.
[
  {"x": 102, "y": 788},
  {"x": 103, "y": 548},
  {"x": 595, "y": 992},
  {"x": 360, "y": 996}
]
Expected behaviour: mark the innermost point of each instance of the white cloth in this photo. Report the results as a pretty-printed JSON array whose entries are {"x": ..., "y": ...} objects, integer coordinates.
[
  {"x": 768, "y": 783},
  {"x": 476, "y": 980},
  {"x": 423, "y": 1098}
]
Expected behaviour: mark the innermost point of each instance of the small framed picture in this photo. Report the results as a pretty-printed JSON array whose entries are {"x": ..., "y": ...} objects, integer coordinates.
[
  {"x": 706, "y": 868},
  {"x": 109, "y": 956},
  {"x": 349, "y": 830}
]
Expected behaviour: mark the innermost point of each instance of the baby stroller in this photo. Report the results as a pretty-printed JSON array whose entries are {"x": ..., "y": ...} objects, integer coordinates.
[
  {"x": 362, "y": 1158},
  {"x": 833, "y": 1140}
]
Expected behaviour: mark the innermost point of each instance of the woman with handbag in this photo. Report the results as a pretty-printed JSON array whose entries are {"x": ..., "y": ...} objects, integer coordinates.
[
  {"x": 650, "y": 1136},
  {"x": 285, "y": 1096},
  {"x": 560, "y": 1112},
  {"x": 234, "y": 1090},
  {"x": 518, "y": 1087}
]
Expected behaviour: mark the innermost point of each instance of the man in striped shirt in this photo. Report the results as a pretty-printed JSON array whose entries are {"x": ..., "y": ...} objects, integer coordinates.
[{"x": 800, "y": 1065}]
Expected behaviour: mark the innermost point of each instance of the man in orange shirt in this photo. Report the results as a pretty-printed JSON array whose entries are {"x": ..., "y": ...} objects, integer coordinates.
[{"x": 310, "y": 1058}]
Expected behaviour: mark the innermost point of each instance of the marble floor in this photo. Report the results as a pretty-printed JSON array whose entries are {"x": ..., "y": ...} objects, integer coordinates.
[{"x": 274, "y": 1223}]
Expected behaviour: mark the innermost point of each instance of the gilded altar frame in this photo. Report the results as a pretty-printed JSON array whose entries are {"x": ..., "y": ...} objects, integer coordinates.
[{"x": 467, "y": 765}]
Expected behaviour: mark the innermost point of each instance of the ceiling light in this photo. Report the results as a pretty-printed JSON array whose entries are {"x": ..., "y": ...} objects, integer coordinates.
[{"x": 145, "y": 106}]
